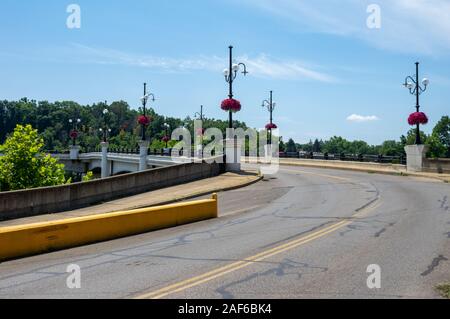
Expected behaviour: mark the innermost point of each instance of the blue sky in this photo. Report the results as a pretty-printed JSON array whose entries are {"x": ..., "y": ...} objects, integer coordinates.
[{"x": 318, "y": 56}]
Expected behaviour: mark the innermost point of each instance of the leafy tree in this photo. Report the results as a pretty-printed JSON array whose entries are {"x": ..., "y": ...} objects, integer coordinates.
[
  {"x": 317, "y": 146},
  {"x": 290, "y": 146},
  {"x": 441, "y": 137},
  {"x": 410, "y": 138},
  {"x": 24, "y": 165},
  {"x": 391, "y": 148}
]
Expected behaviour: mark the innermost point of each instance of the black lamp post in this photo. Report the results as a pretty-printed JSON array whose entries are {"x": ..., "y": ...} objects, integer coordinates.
[
  {"x": 166, "y": 129},
  {"x": 414, "y": 87},
  {"x": 74, "y": 133},
  {"x": 230, "y": 76},
  {"x": 105, "y": 130},
  {"x": 144, "y": 101},
  {"x": 270, "y": 107},
  {"x": 200, "y": 115}
]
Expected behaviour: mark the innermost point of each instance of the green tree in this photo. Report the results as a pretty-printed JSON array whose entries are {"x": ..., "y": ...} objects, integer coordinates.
[
  {"x": 441, "y": 137},
  {"x": 24, "y": 164},
  {"x": 392, "y": 148},
  {"x": 290, "y": 146}
]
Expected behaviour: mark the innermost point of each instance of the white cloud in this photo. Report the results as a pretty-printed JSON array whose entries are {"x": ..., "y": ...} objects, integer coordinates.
[
  {"x": 361, "y": 118},
  {"x": 261, "y": 65},
  {"x": 412, "y": 26}
]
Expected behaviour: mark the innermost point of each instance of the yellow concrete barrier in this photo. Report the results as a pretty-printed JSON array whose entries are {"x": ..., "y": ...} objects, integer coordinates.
[{"x": 32, "y": 239}]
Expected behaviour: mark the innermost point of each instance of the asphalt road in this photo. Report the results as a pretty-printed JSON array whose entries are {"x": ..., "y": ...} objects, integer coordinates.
[{"x": 303, "y": 233}]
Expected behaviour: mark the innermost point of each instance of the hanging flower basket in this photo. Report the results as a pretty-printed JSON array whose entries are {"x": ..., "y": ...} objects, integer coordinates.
[
  {"x": 144, "y": 120},
  {"x": 165, "y": 139},
  {"x": 73, "y": 134},
  {"x": 417, "y": 118},
  {"x": 231, "y": 105},
  {"x": 201, "y": 131},
  {"x": 271, "y": 126}
]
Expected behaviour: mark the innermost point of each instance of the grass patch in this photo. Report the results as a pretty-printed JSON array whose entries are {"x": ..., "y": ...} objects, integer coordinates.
[{"x": 444, "y": 290}]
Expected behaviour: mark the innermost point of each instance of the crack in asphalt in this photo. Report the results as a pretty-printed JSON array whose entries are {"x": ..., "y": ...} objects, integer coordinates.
[
  {"x": 444, "y": 203},
  {"x": 434, "y": 264},
  {"x": 287, "y": 267}
]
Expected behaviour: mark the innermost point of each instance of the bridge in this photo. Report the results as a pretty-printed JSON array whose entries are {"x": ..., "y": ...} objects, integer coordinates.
[{"x": 117, "y": 163}]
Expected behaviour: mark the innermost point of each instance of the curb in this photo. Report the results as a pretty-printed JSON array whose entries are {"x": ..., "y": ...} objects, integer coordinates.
[
  {"x": 369, "y": 171},
  {"x": 214, "y": 190},
  {"x": 33, "y": 239}
]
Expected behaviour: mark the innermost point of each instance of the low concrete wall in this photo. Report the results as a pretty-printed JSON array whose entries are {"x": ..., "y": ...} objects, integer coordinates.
[
  {"x": 32, "y": 202},
  {"x": 359, "y": 166},
  {"x": 437, "y": 165},
  {"x": 27, "y": 240}
]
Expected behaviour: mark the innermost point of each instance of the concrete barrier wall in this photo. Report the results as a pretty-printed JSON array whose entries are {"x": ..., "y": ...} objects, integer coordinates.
[
  {"x": 437, "y": 165},
  {"x": 363, "y": 166},
  {"x": 27, "y": 240},
  {"x": 25, "y": 203}
]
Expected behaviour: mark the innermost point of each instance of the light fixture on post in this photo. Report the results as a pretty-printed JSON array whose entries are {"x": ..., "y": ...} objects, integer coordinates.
[
  {"x": 166, "y": 137},
  {"x": 145, "y": 120},
  {"x": 270, "y": 105},
  {"x": 230, "y": 74},
  {"x": 74, "y": 132},
  {"x": 416, "y": 88},
  {"x": 416, "y": 154}
]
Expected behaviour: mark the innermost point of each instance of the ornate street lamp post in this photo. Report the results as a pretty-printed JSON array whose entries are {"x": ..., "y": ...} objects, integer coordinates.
[
  {"x": 166, "y": 137},
  {"x": 105, "y": 130},
  {"x": 270, "y": 105},
  {"x": 200, "y": 116},
  {"x": 74, "y": 132},
  {"x": 230, "y": 75},
  {"x": 144, "y": 119},
  {"x": 414, "y": 87}
]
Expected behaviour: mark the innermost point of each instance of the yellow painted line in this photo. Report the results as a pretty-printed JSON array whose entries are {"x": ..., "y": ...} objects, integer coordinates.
[{"x": 222, "y": 271}]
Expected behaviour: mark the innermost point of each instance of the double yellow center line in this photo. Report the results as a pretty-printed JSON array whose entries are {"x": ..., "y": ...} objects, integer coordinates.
[{"x": 222, "y": 271}]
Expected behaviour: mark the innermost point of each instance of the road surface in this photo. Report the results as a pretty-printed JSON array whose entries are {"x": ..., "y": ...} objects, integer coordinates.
[{"x": 303, "y": 233}]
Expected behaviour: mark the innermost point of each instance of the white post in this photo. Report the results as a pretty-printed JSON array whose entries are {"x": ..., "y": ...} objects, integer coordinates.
[
  {"x": 415, "y": 157},
  {"x": 143, "y": 146},
  {"x": 233, "y": 155},
  {"x": 105, "y": 170},
  {"x": 268, "y": 153},
  {"x": 74, "y": 152}
]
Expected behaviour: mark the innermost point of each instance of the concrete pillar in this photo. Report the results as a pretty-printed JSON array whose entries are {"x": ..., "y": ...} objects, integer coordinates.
[
  {"x": 268, "y": 152},
  {"x": 105, "y": 170},
  {"x": 233, "y": 155},
  {"x": 199, "y": 151},
  {"x": 74, "y": 152},
  {"x": 143, "y": 146},
  {"x": 415, "y": 157}
]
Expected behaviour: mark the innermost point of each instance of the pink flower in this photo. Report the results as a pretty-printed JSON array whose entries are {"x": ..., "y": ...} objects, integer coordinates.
[
  {"x": 144, "y": 120},
  {"x": 73, "y": 134},
  {"x": 165, "y": 139},
  {"x": 201, "y": 131},
  {"x": 231, "y": 105},
  {"x": 417, "y": 118},
  {"x": 271, "y": 126}
]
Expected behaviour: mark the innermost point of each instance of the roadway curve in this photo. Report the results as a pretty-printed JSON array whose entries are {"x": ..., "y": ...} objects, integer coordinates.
[{"x": 303, "y": 233}]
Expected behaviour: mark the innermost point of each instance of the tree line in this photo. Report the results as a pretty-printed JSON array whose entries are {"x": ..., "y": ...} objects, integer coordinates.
[
  {"x": 438, "y": 142},
  {"x": 51, "y": 120}
]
